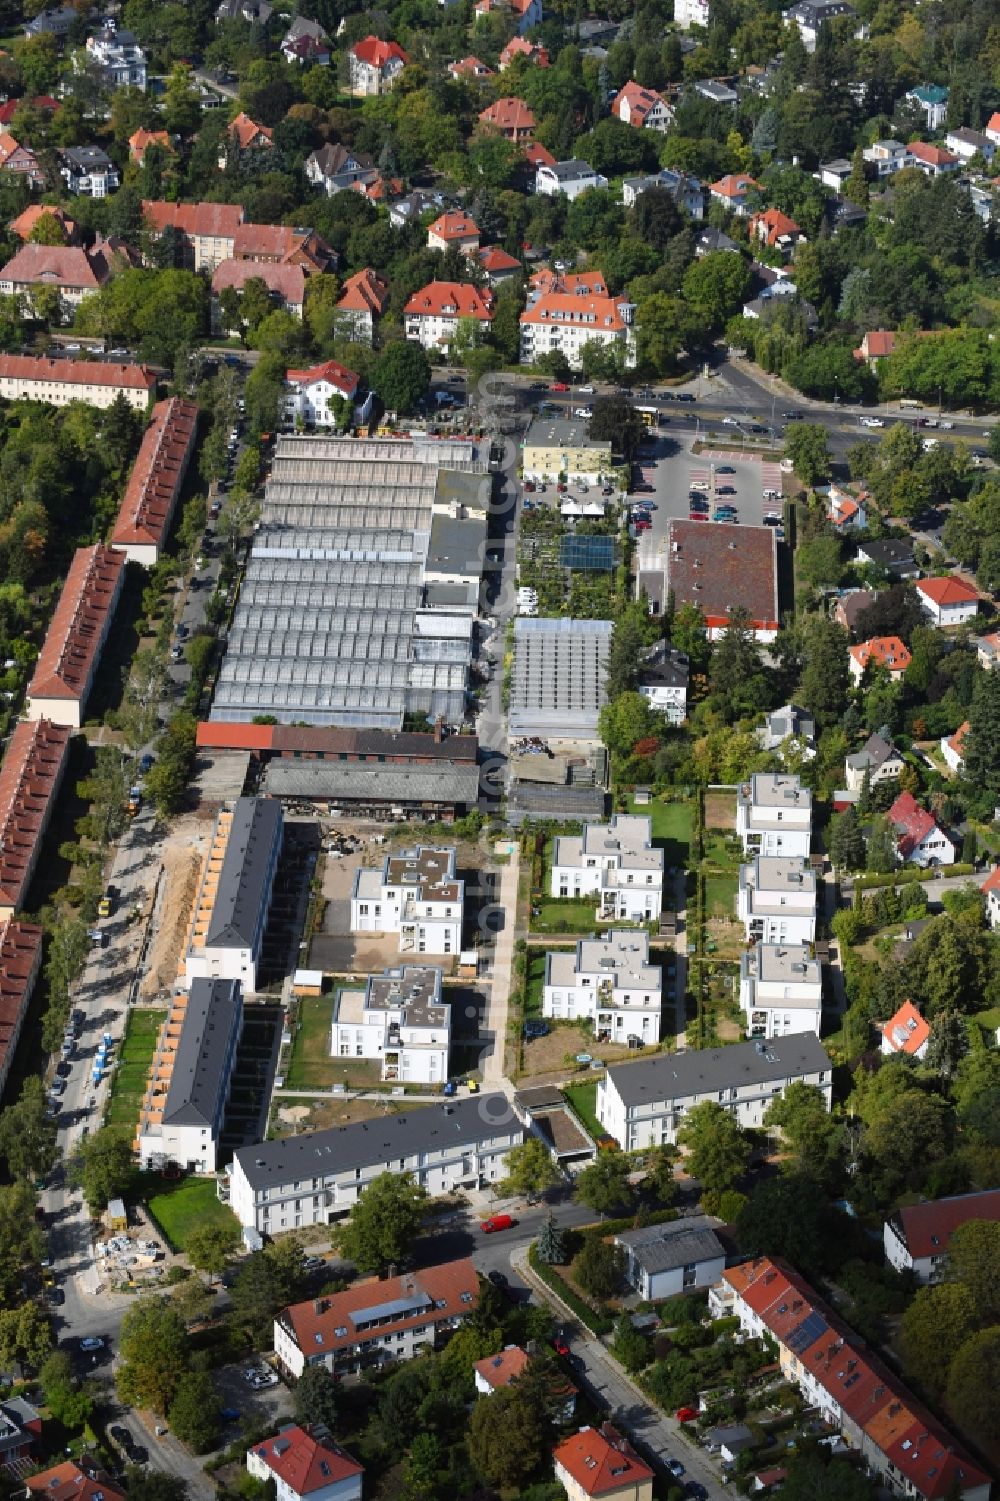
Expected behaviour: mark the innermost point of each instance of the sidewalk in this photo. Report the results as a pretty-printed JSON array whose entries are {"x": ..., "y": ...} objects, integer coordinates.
[{"x": 495, "y": 1020}]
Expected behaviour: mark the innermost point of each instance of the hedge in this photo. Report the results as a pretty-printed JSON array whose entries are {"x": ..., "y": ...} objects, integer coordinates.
[
  {"x": 597, "y": 1323},
  {"x": 915, "y": 873},
  {"x": 627, "y": 1222}
]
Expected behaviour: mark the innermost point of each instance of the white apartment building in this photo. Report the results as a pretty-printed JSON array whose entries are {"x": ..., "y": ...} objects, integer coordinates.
[
  {"x": 781, "y": 990},
  {"x": 118, "y": 56},
  {"x": 432, "y": 317},
  {"x": 417, "y": 895},
  {"x": 563, "y": 322},
  {"x": 663, "y": 682},
  {"x": 317, "y": 1177},
  {"x": 567, "y": 178},
  {"x": 234, "y": 893},
  {"x": 776, "y": 900},
  {"x": 26, "y": 377},
  {"x": 314, "y": 396},
  {"x": 644, "y": 1104},
  {"x": 610, "y": 982},
  {"x": 774, "y": 814},
  {"x": 688, "y": 13},
  {"x": 615, "y": 862},
  {"x": 398, "y": 1019}
]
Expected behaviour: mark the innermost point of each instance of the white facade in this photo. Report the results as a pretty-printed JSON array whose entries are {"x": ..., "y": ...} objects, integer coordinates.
[
  {"x": 417, "y": 895},
  {"x": 916, "y": 1237},
  {"x": 776, "y": 900},
  {"x": 669, "y": 699},
  {"x": 943, "y": 611},
  {"x": 26, "y": 378},
  {"x": 295, "y": 1452},
  {"x": 933, "y": 105},
  {"x": 665, "y": 1260},
  {"x": 568, "y": 178},
  {"x": 608, "y": 981},
  {"x": 781, "y": 990},
  {"x": 615, "y": 862},
  {"x": 688, "y": 13},
  {"x": 887, "y": 157},
  {"x": 120, "y": 58},
  {"x": 234, "y": 894},
  {"x": 399, "y": 1019},
  {"x": 313, "y": 398},
  {"x": 774, "y": 815}
]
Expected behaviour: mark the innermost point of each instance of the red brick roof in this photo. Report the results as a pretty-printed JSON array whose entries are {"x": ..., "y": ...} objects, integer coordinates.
[
  {"x": 948, "y": 591},
  {"x": 508, "y": 114},
  {"x": 581, "y": 283},
  {"x": 450, "y": 226},
  {"x": 876, "y": 344},
  {"x": 536, "y": 155},
  {"x": 218, "y": 221},
  {"x": 72, "y": 639},
  {"x": 74, "y": 1480},
  {"x": 140, "y": 139},
  {"x": 57, "y": 266},
  {"x": 334, "y": 740},
  {"x": 469, "y": 67},
  {"x": 289, "y": 282},
  {"x": 734, "y": 185},
  {"x": 640, "y": 102},
  {"x": 246, "y": 131},
  {"x": 157, "y": 474},
  {"x": 911, "y": 823},
  {"x": 26, "y": 221},
  {"x": 279, "y": 242},
  {"x": 337, "y": 375},
  {"x": 601, "y": 1462},
  {"x": 603, "y": 313},
  {"x": 306, "y": 1461},
  {"x": 454, "y": 1286},
  {"x": 76, "y": 372},
  {"x": 44, "y": 102},
  {"x": 451, "y": 299},
  {"x": 885, "y": 651},
  {"x": 957, "y": 741},
  {"x": 377, "y": 53},
  {"x": 934, "y": 156},
  {"x": 493, "y": 258},
  {"x": 29, "y": 775},
  {"x": 20, "y": 946},
  {"x": 926, "y": 1229},
  {"x": 907, "y": 1031},
  {"x": 501, "y": 1370},
  {"x": 992, "y": 882},
  {"x": 716, "y": 567},
  {"x": 519, "y": 46},
  {"x": 775, "y": 224},
  {"x": 365, "y": 292}
]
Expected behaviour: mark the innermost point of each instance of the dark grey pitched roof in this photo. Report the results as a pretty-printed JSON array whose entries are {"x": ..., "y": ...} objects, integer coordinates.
[
  {"x": 369, "y": 1143},
  {"x": 662, "y": 1248},
  {"x": 890, "y": 552},
  {"x": 243, "y": 878},
  {"x": 676, "y": 1076},
  {"x": 214, "y": 1010}
]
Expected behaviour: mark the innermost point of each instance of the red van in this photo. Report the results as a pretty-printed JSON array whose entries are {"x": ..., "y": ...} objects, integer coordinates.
[{"x": 498, "y": 1222}]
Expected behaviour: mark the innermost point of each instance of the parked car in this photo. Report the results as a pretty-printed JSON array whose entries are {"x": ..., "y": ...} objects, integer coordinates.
[
  {"x": 92, "y": 1342},
  {"x": 872, "y": 422},
  {"x": 698, "y": 515},
  {"x": 725, "y": 489},
  {"x": 498, "y": 1279},
  {"x": 559, "y": 385},
  {"x": 560, "y": 1346},
  {"x": 685, "y": 396},
  {"x": 686, "y": 1414},
  {"x": 497, "y": 1222},
  {"x": 675, "y": 1467}
]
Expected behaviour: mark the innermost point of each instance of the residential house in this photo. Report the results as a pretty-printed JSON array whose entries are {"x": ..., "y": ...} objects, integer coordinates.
[
  {"x": 893, "y": 555},
  {"x": 305, "y": 1464},
  {"x": 412, "y": 206},
  {"x": 880, "y": 651},
  {"x": 953, "y": 748},
  {"x": 20, "y": 1431},
  {"x": 510, "y": 117},
  {"x": 789, "y": 723},
  {"x": 190, "y": 1076},
  {"x": 845, "y": 512},
  {"x": 317, "y": 1177},
  {"x": 452, "y": 230},
  {"x": 286, "y": 285},
  {"x": 313, "y": 397},
  {"x": 729, "y": 1441},
  {"x": 933, "y": 161},
  {"x": 154, "y": 486},
  {"x": 204, "y": 233},
  {"x": 470, "y": 67},
  {"x": 570, "y": 283},
  {"x": 810, "y": 15},
  {"x": 497, "y": 1371},
  {"x": 117, "y": 57},
  {"x": 601, "y": 1462},
  {"x": 233, "y": 899},
  {"x": 878, "y": 760},
  {"x": 519, "y": 46},
  {"x": 498, "y": 265},
  {"x": 525, "y": 14},
  {"x": 376, "y": 1323},
  {"x": 21, "y": 161},
  {"x": 58, "y": 382},
  {"x": 991, "y": 891},
  {"x": 80, "y": 1479},
  {"x": 932, "y": 102},
  {"x": 363, "y": 300},
  {"x": 774, "y": 814},
  {"x": 26, "y": 221},
  {"x": 835, "y": 1372},
  {"x": 616, "y": 862},
  {"x": 335, "y": 167},
  {"x": 57, "y": 22},
  {"x": 968, "y": 143},
  {"x": 643, "y": 108},
  {"x": 535, "y": 155},
  {"x": 919, "y": 839},
  {"x": 776, "y": 230},
  {"x": 88, "y": 171},
  {"x": 716, "y": 92},
  {"x": 306, "y": 43},
  {"x": 279, "y": 244},
  {"x": 776, "y": 900},
  {"x": 254, "y": 12},
  {"x": 688, "y": 13},
  {"x": 948, "y": 601},
  {"x": 400, "y": 1020},
  {"x": 781, "y": 990},
  {"x": 988, "y": 650},
  {"x": 20, "y": 962},
  {"x": 916, "y": 1237},
  {"x": 687, "y": 192},
  {"x": 242, "y": 137},
  {"x": 851, "y": 605},
  {"x": 417, "y": 894},
  {"x": 140, "y": 141},
  {"x": 610, "y": 982},
  {"x": 834, "y": 174},
  {"x": 711, "y": 240},
  {"x": 375, "y": 66},
  {"x": 570, "y": 179},
  {"x": 906, "y": 1032},
  {"x": 31, "y": 774},
  {"x": 663, "y": 681},
  {"x": 71, "y": 652},
  {"x": 993, "y": 128},
  {"x": 563, "y": 322},
  {"x": 887, "y": 157},
  {"x": 432, "y": 316},
  {"x": 559, "y": 449},
  {"x": 736, "y": 191},
  {"x": 664, "y": 1260},
  {"x": 876, "y": 345},
  {"x": 71, "y": 271}
]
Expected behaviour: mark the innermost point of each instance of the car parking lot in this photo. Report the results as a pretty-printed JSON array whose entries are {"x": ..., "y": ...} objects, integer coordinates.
[{"x": 686, "y": 483}]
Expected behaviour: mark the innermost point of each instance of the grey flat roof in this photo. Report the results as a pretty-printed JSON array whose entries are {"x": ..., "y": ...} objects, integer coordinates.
[
  {"x": 368, "y": 1143},
  {"x": 558, "y": 432},
  {"x": 243, "y": 879},
  {"x": 457, "y": 546},
  {"x": 213, "y": 1010},
  {"x": 662, "y": 1248},
  {"x": 444, "y": 782},
  {"x": 677, "y": 1076}
]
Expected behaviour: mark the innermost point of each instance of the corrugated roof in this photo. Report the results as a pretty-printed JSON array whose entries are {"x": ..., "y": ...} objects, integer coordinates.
[
  {"x": 444, "y": 782},
  {"x": 76, "y": 633}
]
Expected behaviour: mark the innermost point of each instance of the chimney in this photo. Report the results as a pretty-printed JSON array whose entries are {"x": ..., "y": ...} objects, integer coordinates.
[
  {"x": 319, "y": 1305},
  {"x": 438, "y": 730}
]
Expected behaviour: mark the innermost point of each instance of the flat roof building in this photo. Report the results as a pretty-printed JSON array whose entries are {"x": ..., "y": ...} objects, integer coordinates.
[
  {"x": 57, "y": 382},
  {"x": 774, "y": 814},
  {"x": 150, "y": 498},
  {"x": 558, "y": 683},
  {"x": 190, "y": 1077},
  {"x": 416, "y": 894},
  {"x": 401, "y": 1020},
  {"x": 776, "y": 899},
  {"x": 234, "y": 894},
  {"x": 439, "y": 792},
  {"x": 609, "y": 981},
  {"x": 71, "y": 651},
  {"x": 781, "y": 990},
  {"x": 558, "y": 448},
  {"x": 30, "y": 777},
  {"x": 617, "y": 863},
  {"x": 717, "y": 567}
]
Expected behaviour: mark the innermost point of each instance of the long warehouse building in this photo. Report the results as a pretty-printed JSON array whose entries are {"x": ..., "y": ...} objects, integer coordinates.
[{"x": 360, "y": 598}]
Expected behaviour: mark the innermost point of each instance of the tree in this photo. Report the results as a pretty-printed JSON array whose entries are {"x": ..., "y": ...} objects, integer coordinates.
[
  {"x": 814, "y": 1476},
  {"x": 823, "y": 686},
  {"x": 506, "y": 1439},
  {"x": 981, "y": 747},
  {"x": 551, "y": 1244},
  {"x": 194, "y": 1412},
  {"x": 660, "y": 1164},
  {"x": 604, "y": 1184},
  {"x": 934, "y": 1327},
  {"x": 426, "y": 1462},
  {"x": 102, "y": 1166},
  {"x": 949, "y": 1043},
  {"x": 845, "y": 840},
  {"x": 530, "y": 1169},
  {"x": 630, "y": 1347},
  {"x": 813, "y": 1134},
  {"x": 27, "y": 1135},
  {"x": 266, "y": 1281},
  {"x": 807, "y": 448},
  {"x": 68, "y": 1401},
  {"x": 25, "y": 1336},
  {"x": 47, "y": 230},
  {"x": 401, "y": 376},
  {"x": 600, "y": 1267},
  {"x": 628, "y": 643},
  {"x": 820, "y": 561},
  {"x": 974, "y": 1262},
  {"x": 209, "y": 1247},
  {"x": 616, "y": 419},
  {"x": 716, "y": 285},
  {"x": 316, "y": 1398},
  {"x": 856, "y": 185},
  {"x": 790, "y": 1217},
  {"x": 718, "y": 1149},
  {"x": 736, "y": 674},
  {"x": 384, "y": 1222},
  {"x": 154, "y": 1485},
  {"x": 155, "y": 1354},
  {"x": 973, "y": 1381}
]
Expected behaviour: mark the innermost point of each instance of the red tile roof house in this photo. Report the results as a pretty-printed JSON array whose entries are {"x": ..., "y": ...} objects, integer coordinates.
[
  {"x": 57, "y": 382},
  {"x": 284, "y": 246},
  {"x": 150, "y": 498},
  {"x": 776, "y": 230},
  {"x": 953, "y": 747},
  {"x": 30, "y": 777},
  {"x": 140, "y": 140},
  {"x": 375, "y": 65},
  {"x": 991, "y": 891},
  {"x": 71, "y": 651},
  {"x": 20, "y": 961},
  {"x": 306, "y": 1465},
  {"x": 916, "y": 1237},
  {"x": 907, "y": 1032},
  {"x": 919, "y": 840},
  {"x": 25, "y": 222},
  {"x": 497, "y": 1371},
  {"x": 433, "y": 314},
  {"x": 876, "y": 345},
  {"x": 844, "y": 512},
  {"x": 897, "y": 1438},
  {"x": 642, "y": 108},
  {"x": 734, "y": 191},
  {"x": 948, "y": 601},
  {"x": 73, "y": 272},
  {"x": 451, "y": 229},
  {"x": 204, "y": 231},
  {"x": 498, "y": 265},
  {"x": 601, "y": 1463},
  {"x": 286, "y": 284},
  {"x": 311, "y": 395},
  {"x": 470, "y": 67},
  {"x": 375, "y": 1323},
  {"x": 43, "y": 102},
  {"x": 933, "y": 161},
  {"x": 75, "y": 1480},
  {"x": 527, "y": 13},
  {"x": 519, "y": 46},
  {"x": 879, "y": 651},
  {"x": 510, "y": 117},
  {"x": 242, "y": 136},
  {"x": 363, "y": 300}
]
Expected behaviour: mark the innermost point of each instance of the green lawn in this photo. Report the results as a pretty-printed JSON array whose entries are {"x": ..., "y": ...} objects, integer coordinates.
[
  {"x": 186, "y": 1205},
  {"x": 719, "y": 853},
  {"x": 671, "y": 828},
  {"x": 583, "y": 1098},
  {"x": 128, "y": 1084},
  {"x": 310, "y": 1064},
  {"x": 564, "y": 914},
  {"x": 535, "y": 983},
  {"x": 720, "y": 895}
]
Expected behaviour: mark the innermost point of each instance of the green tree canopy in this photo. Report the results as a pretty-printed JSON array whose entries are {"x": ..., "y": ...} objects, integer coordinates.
[
  {"x": 401, "y": 376},
  {"x": 155, "y": 1354},
  {"x": 718, "y": 1149},
  {"x": 604, "y": 1185},
  {"x": 384, "y": 1222}
]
